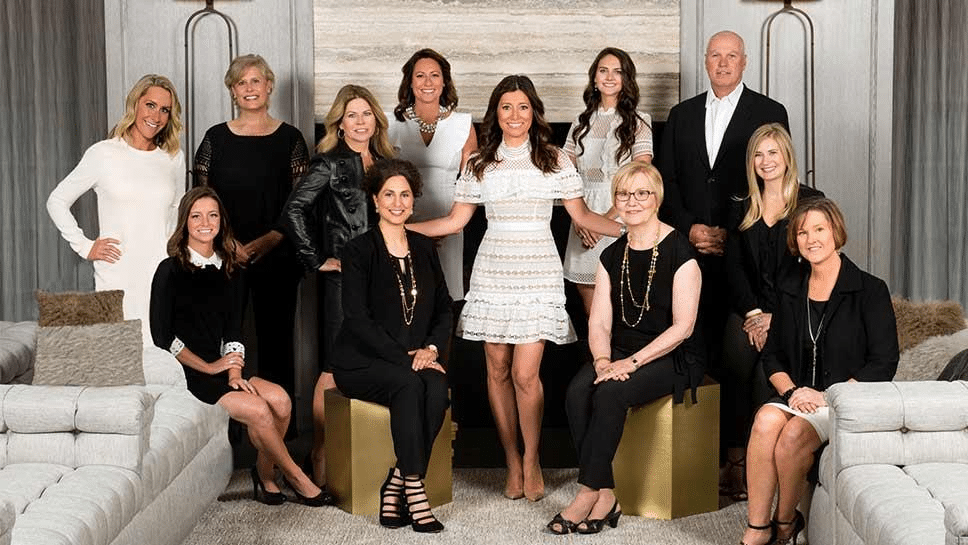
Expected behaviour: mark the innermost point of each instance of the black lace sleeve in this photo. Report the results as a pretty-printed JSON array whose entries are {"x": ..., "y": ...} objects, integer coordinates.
[
  {"x": 203, "y": 161},
  {"x": 298, "y": 158}
]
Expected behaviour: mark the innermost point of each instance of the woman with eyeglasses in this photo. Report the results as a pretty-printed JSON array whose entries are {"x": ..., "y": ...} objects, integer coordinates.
[{"x": 642, "y": 315}]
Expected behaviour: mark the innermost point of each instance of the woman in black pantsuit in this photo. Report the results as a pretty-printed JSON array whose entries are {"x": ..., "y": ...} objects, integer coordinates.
[
  {"x": 643, "y": 309},
  {"x": 396, "y": 311}
]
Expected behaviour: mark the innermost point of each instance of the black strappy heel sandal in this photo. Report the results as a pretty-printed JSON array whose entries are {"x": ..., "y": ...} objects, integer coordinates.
[
  {"x": 771, "y": 527},
  {"x": 422, "y": 520},
  {"x": 561, "y": 526},
  {"x": 593, "y": 526},
  {"x": 798, "y": 525},
  {"x": 393, "y": 515}
]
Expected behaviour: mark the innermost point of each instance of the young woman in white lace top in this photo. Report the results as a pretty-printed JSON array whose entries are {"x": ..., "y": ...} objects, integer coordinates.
[
  {"x": 608, "y": 134},
  {"x": 516, "y": 299}
]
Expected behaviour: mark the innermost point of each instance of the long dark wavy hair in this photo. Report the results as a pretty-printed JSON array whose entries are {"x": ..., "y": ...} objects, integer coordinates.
[
  {"x": 544, "y": 154},
  {"x": 628, "y": 101},
  {"x": 448, "y": 98},
  {"x": 224, "y": 241}
]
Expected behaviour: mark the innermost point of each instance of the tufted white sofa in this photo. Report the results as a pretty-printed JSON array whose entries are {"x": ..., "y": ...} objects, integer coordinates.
[
  {"x": 105, "y": 465},
  {"x": 896, "y": 469}
]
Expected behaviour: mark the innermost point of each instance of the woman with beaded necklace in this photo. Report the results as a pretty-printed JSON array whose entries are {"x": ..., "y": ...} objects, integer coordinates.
[
  {"x": 396, "y": 312},
  {"x": 426, "y": 131},
  {"x": 516, "y": 299},
  {"x": 643, "y": 313}
]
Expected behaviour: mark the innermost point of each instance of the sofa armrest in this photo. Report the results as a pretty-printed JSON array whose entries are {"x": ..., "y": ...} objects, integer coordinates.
[
  {"x": 898, "y": 423},
  {"x": 17, "y": 340},
  {"x": 75, "y": 425}
]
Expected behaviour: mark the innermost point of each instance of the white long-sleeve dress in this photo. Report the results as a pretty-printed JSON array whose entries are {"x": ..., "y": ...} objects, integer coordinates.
[{"x": 137, "y": 200}]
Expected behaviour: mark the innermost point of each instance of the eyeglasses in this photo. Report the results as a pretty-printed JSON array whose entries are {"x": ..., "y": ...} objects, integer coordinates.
[{"x": 639, "y": 194}]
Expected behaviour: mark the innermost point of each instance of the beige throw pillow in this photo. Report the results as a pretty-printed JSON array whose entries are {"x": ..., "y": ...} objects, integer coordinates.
[{"x": 90, "y": 355}]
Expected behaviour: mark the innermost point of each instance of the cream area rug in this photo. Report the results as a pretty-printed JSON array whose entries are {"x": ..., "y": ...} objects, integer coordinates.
[{"x": 478, "y": 514}]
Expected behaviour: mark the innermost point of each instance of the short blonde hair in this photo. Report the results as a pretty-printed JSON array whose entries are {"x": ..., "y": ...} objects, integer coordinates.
[
  {"x": 168, "y": 138},
  {"x": 826, "y": 207},
  {"x": 242, "y": 63},
  {"x": 623, "y": 178}
]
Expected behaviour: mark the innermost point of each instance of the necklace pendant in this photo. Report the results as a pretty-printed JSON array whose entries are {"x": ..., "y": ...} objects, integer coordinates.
[{"x": 413, "y": 292}]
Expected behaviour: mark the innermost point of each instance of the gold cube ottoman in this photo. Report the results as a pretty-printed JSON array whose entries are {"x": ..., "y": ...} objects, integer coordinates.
[
  {"x": 667, "y": 464},
  {"x": 359, "y": 451}
]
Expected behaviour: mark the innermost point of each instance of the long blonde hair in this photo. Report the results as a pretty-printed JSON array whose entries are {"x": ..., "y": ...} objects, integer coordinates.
[
  {"x": 167, "y": 139},
  {"x": 379, "y": 142},
  {"x": 791, "y": 181}
]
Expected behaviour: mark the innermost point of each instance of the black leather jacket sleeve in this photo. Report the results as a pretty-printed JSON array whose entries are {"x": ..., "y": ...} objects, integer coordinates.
[{"x": 299, "y": 213}]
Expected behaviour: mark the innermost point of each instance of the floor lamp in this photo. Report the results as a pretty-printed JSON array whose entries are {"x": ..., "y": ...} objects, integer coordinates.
[
  {"x": 233, "y": 39},
  {"x": 788, "y": 9}
]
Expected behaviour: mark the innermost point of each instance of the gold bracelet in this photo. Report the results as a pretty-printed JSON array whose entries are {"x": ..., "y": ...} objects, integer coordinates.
[
  {"x": 606, "y": 358},
  {"x": 754, "y": 312}
]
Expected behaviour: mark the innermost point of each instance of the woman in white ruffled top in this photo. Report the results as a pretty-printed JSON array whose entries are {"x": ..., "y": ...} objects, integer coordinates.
[
  {"x": 426, "y": 131},
  {"x": 516, "y": 299},
  {"x": 608, "y": 134}
]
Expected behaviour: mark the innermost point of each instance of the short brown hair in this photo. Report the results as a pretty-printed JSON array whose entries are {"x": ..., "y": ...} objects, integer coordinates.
[
  {"x": 826, "y": 207},
  {"x": 384, "y": 169}
]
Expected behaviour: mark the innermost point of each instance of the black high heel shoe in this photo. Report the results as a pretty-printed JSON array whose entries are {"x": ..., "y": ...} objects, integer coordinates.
[
  {"x": 259, "y": 491},
  {"x": 422, "y": 520},
  {"x": 393, "y": 515},
  {"x": 561, "y": 526},
  {"x": 319, "y": 500},
  {"x": 593, "y": 526},
  {"x": 771, "y": 527},
  {"x": 798, "y": 525}
]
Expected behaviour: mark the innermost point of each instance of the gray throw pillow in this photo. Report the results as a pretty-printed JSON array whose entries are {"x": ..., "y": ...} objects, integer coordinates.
[{"x": 90, "y": 355}]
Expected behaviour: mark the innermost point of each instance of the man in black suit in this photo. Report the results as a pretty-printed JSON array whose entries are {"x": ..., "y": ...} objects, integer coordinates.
[{"x": 703, "y": 165}]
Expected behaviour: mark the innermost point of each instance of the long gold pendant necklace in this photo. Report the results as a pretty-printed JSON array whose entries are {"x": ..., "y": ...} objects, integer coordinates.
[
  {"x": 625, "y": 282},
  {"x": 408, "y": 308}
]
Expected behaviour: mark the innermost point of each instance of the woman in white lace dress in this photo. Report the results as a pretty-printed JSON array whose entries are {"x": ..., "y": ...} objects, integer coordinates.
[
  {"x": 516, "y": 299},
  {"x": 607, "y": 135},
  {"x": 426, "y": 131}
]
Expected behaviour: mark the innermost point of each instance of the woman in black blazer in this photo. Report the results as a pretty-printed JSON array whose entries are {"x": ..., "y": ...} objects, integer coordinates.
[
  {"x": 396, "y": 312},
  {"x": 756, "y": 255},
  {"x": 833, "y": 323}
]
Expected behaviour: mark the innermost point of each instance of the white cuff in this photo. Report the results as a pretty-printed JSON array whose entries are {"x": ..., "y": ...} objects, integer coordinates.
[
  {"x": 176, "y": 346},
  {"x": 233, "y": 347}
]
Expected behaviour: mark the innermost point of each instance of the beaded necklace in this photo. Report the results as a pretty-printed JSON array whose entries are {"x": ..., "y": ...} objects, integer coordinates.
[
  {"x": 408, "y": 309},
  {"x": 427, "y": 128},
  {"x": 625, "y": 282}
]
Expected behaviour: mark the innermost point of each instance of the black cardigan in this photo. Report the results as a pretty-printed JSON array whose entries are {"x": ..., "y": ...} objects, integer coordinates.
[
  {"x": 859, "y": 339},
  {"x": 743, "y": 267},
  {"x": 373, "y": 325}
]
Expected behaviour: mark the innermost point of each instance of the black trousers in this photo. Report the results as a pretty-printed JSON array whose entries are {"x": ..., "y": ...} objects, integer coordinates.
[
  {"x": 330, "y": 317},
  {"x": 417, "y": 402},
  {"x": 744, "y": 385},
  {"x": 596, "y": 414},
  {"x": 271, "y": 283}
]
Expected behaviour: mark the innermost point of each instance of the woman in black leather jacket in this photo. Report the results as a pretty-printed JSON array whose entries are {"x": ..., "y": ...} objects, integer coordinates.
[{"x": 329, "y": 207}]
